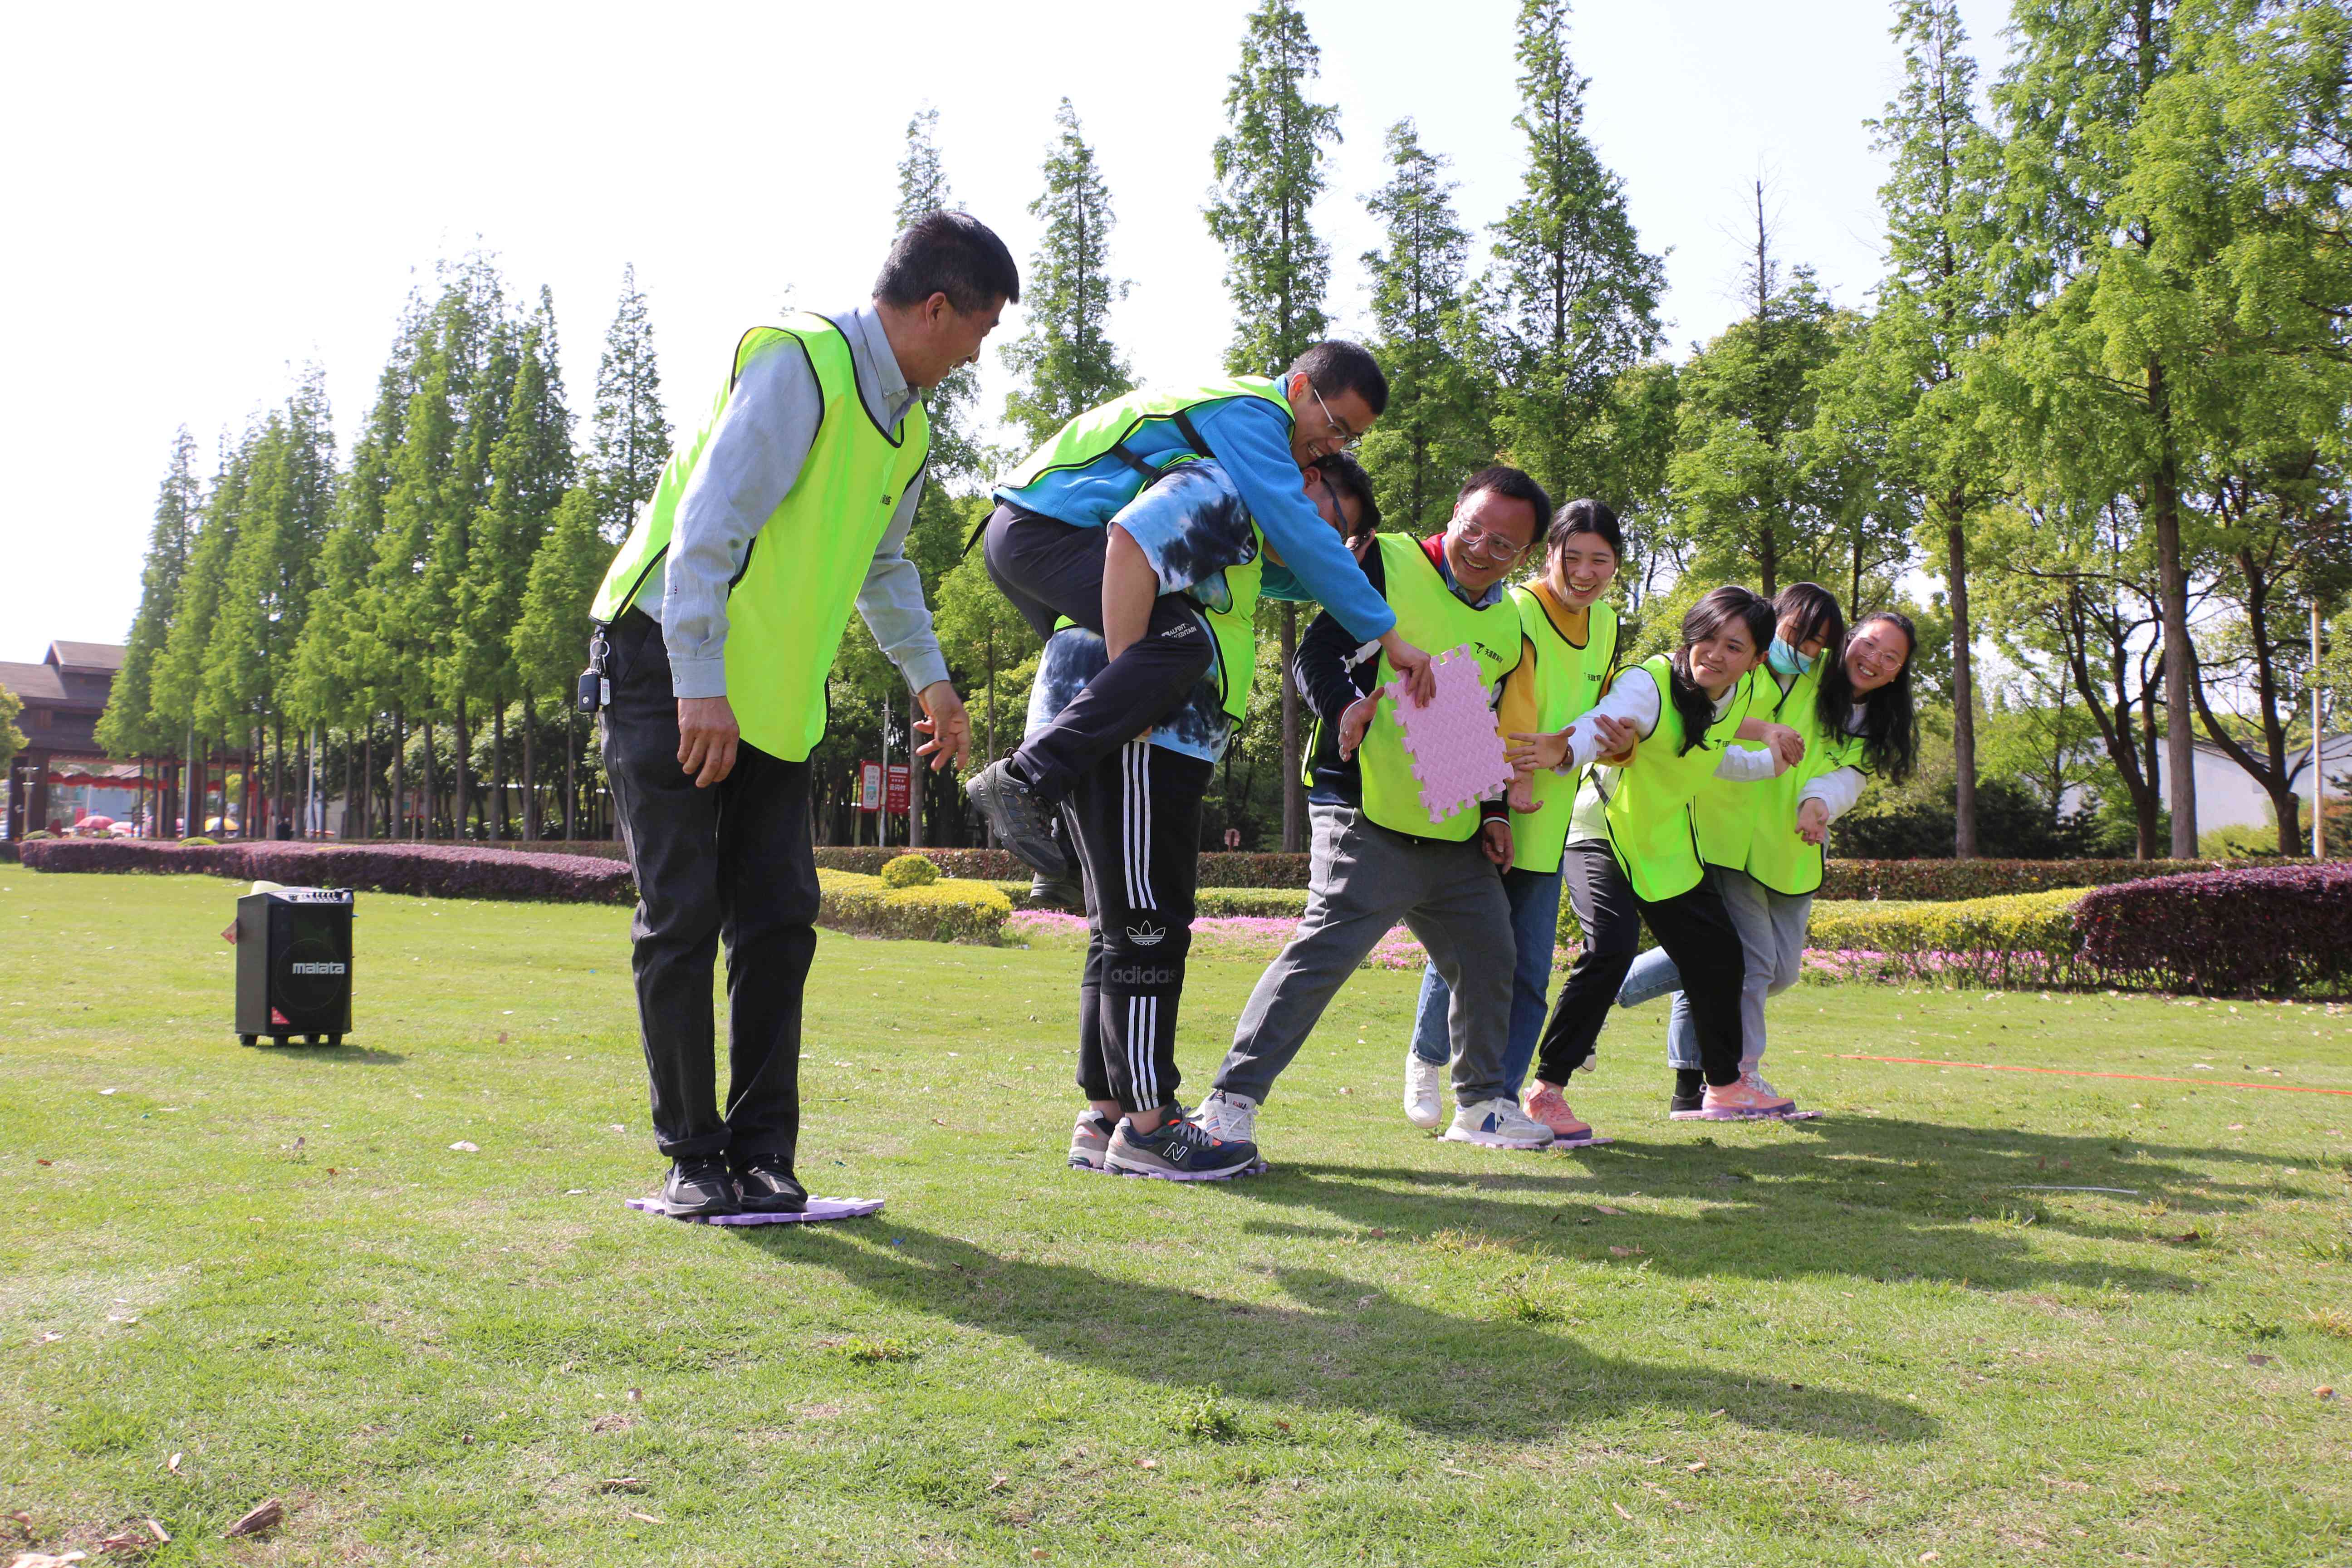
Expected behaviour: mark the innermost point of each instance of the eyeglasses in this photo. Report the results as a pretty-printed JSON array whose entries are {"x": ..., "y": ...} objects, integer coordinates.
[
  {"x": 1348, "y": 438},
  {"x": 1487, "y": 544}
]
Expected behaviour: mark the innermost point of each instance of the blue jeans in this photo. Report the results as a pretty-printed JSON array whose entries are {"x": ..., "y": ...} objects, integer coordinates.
[{"x": 1534, "y": 930}]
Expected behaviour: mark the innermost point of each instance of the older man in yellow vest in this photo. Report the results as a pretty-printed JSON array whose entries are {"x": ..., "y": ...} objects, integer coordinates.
[{"x": 718, "y": 623}]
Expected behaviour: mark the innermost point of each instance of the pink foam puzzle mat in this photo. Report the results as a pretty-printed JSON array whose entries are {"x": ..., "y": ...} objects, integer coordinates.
[
  {"x": 818, "y": 1209},
  {"x": 1455, "y": 747}
]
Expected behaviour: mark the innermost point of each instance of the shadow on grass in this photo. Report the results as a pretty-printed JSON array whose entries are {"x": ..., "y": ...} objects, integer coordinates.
[
  {"x": 1870, "y": 1198},
  {"x": 1336, "y": 1343},
  {"x": 337, "y": 1056}
]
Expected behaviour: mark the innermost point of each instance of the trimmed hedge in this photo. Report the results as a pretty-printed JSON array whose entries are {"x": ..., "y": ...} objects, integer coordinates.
[
  {"x": 909, "y": 872},
  {"x": 423, "y": 870},
  {"x": 2023, "y": 939},
  {"x": 1947, "y": 882},
  {"x": 1942, "y": 881},
  {"x": 974, "y": 865},
  {"x": 947, "y": 910},
  {"x": 2276, "y": 930}
]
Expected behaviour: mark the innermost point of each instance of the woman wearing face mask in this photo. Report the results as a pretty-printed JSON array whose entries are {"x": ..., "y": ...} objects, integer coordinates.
[
  {"x": 1848, "y": 697},
  {"x": 1569, "y": 642},
  {"x": 1632, "y": 855}
]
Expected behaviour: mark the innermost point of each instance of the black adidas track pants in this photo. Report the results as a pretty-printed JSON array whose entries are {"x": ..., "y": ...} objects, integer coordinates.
[{"x": 1135, "y": 818}]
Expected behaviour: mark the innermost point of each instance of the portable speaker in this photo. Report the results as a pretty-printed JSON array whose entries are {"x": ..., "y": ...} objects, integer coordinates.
[{"x": 294, "y": 965}]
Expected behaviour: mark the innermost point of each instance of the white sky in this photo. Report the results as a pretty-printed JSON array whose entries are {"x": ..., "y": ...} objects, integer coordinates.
[{"x": 204, "y": 197}]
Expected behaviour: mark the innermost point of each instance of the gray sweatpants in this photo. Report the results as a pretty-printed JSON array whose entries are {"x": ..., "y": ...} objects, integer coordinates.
[
  {"x": 1772, "y": 929},
  {"x": 1362, "y": 879}
]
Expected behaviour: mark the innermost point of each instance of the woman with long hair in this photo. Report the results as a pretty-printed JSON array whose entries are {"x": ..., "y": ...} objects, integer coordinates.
[
  {"x": 1632, "y": 856},
  {"x": 1568, "y": 643},
  {"x": 1848, "y": 696}
]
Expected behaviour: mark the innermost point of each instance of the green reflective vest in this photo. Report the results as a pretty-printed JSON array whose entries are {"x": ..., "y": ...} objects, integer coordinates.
[
  {"x": 1429, "y": 615},
  {"x": 1753, "y": 827},
  {"x": 1648, "y": 808},
  {"x": 1568, "y": 678},
  {"x": 788, "y": 606},
  {"x": 1105, "y": 430}
]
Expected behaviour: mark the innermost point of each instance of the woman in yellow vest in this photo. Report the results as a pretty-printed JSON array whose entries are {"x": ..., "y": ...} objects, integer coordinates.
[
  {"x": 1848, "y": 697},
  {"x": 1570, "y": 644},
  {"x": 1639, "y": 859}
]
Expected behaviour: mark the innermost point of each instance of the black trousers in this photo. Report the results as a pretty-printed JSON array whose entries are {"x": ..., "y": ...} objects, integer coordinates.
[
  {"x": 1696, "y": 930},
  {"x": 732, "y": 863},
  {"x": 1052, "y": 570},
  {"x": 1136, "y": 820}
]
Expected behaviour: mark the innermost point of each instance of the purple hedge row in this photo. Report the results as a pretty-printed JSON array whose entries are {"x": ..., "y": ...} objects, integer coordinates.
[
  {"x": 2275, "y": 931},
  {"x": 427, "y": 871}
]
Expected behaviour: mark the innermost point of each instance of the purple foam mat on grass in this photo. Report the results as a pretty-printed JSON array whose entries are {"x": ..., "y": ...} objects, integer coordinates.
[
  {"x": 1456, "y": 751},
  {"x": 818, "y": 1209}
]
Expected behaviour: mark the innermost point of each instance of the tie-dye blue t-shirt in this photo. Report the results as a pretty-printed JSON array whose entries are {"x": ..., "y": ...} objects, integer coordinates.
[{"x": 1190, "y": 525}]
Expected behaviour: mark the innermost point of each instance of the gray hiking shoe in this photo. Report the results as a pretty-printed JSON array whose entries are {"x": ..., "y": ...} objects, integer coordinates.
[
  {"x": 1179, "y": 1151},
  {"x": 1024, "y": 824},
  {"x": 1090, "y": 1140}
]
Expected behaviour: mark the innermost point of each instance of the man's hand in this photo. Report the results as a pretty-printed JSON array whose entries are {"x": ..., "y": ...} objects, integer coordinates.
[
  {"x": 1495, "y": 838},
  {"x": 706, "y": 737},
  {"x": 947, "y": 724},
  {"x": 1812, "y": 820},
  {"x": 1523, "y": 793},
  {"x": 1354, "y": 722},
  {"x": 1420, "y": 680}
]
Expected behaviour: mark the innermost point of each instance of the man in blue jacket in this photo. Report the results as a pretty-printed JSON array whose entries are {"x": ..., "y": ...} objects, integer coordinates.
[{"x": 1046, "y": 541}]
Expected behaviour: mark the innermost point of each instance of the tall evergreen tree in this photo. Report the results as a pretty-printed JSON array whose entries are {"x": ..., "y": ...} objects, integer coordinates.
[
  {"x": 180, "y": 686},
  {"x": 1574, "y": 298},
  {"x": 956, "y": 458},
  {"x": 551, "y": 635},
  {"x": 480, "y": 360},
  {"x": 1269, "y": 169},
  {"x": 1063, "y": 357},
  {"x": 631, "y": 441},
  {"x": 129, "y": 727},
  {"x": 531, "y": 471},
  {"x": 270, "y": 572},
  {"x": 337, "y": 671},
  {"x": 1935, "y": 314},
  {"x": 1435, "y": 428}
]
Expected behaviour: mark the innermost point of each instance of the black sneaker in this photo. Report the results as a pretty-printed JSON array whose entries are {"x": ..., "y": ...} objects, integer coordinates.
[
  {"x": 1046, "y": 893},
  {"x": 699, "y": 1188},
  {"x": 1681, "y": 1105},
  {"x": 768, "y": 1186},
  {"x": 1178, "y": 1151},
  {"x": 1024, "y": 824}
]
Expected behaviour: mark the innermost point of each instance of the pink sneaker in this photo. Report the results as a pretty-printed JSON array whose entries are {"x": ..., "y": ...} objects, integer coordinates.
[
  {"x": 1741, "y": 1101},
  {"x": 1753, "y": 1077},
  {"x": 1545, "y": 1104}
]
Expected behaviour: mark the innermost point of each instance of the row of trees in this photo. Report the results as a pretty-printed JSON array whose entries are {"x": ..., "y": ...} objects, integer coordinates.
[{"x": 2099, "y": 395}]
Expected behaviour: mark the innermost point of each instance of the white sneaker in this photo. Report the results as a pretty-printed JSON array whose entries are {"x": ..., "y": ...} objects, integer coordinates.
[
  {"x": 1231, "y": 1117},
  {"x": 1424, "y": 1090},
  {"x": 1498, "y": 1124}
]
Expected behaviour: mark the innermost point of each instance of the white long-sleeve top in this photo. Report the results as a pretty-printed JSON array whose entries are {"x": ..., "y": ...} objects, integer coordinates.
[
  {"x": 1635, "y": 699},
  {"x": 1840, "y": 787}
]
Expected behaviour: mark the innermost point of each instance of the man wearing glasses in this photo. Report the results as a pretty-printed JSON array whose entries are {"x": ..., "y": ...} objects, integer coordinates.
[
  {"x": 1048, "y": 548},
  {"x": 1379, "y": 857}
]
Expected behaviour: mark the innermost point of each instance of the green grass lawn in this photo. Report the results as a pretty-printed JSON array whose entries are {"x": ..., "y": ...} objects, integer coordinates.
[{"x": 1857, "y": 1340}]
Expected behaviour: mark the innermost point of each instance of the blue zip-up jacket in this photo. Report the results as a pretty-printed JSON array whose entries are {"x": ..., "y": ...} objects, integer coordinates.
[{"x": 1252, "y": 438}]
